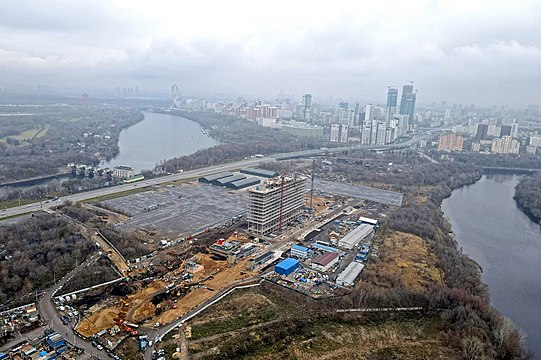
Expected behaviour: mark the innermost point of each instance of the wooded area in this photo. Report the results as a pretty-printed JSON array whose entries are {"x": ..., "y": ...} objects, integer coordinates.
[
  {"x": 34, "y": 252},
  {"x": 469, "y": 323},
  {"x": 64, "y": 141},
  {"x": 528, "y": 196},
  {"x": 240, "y": 139}
]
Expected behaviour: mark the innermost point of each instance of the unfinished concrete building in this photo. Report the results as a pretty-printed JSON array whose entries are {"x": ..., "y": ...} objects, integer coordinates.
[{"x": 275, "y": 203}]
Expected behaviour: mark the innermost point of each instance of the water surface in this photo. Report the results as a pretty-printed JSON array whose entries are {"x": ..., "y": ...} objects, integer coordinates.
[
  {"x": 157, "y": 138},
  {"x": 506, "y": 244}
]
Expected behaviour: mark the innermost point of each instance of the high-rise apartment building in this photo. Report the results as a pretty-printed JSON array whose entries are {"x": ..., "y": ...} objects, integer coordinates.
[
  {"x": 381, "y": 133},
  {"x": 514, "y": 130},
  {"x": 392, "y": 100},
  {"x": 306, "y": 107},
  {"x": 275, "y": 203},
  {"x": 366, "y": 133},
  {"x": 450, "y": 142},
  {"x": 482, "y": 132},
  {"x": 335, "y": 133},
  {"x": 505, "y": 145},
  {"x": 344, "y": 133},
  {"x": 407, "y": 103},
  {"x": 505, "y": 130}
]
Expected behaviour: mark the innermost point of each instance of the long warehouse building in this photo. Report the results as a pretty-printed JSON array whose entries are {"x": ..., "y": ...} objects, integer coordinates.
[
  {"x": 275, "y": 203},
  {"x": 355, "y": 236},
  {"x": 228, "y": 179},
  {"x": 240, "y": 184},
  {"x": 350, "y": 274},
  {"x": 259, "y": 172},
  {"x": 210, "y": 178}
]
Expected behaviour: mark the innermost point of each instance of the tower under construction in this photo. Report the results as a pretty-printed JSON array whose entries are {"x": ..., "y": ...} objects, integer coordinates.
[{"x": 275, "y": 203}]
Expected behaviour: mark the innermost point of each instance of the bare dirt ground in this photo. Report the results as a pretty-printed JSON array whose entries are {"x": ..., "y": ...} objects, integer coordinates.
[
  {"x": 319, "y": 204},
  {"x": 407, "y": 258},
  {"x": 108, "y": 316},
  {"x": 222, "y": 277},
  {"x": 138, "y": 308}
]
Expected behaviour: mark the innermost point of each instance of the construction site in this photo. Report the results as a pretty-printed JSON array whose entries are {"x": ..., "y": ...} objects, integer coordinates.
[
  {"x": 216, "y": 236},
  {"x": 163, "y": 299}
]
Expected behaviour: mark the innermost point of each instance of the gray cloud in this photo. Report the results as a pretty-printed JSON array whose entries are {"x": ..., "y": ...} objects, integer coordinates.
[{"x": 477, "y": 52}]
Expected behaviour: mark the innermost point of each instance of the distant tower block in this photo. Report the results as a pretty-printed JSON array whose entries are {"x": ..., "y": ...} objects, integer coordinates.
[
  {"x": 85, "y": 100},
  {"x": 175, "y": 101}
]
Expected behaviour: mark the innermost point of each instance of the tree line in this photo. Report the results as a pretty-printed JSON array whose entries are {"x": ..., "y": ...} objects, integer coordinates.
[
  {"x": 528, "y": 196},
  {"x": 35, "y": 251},
  {"x": 240, "y": 138}
]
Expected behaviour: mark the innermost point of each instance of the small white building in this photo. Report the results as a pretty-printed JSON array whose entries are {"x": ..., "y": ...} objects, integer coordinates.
[{"x": 122, "y": 171}]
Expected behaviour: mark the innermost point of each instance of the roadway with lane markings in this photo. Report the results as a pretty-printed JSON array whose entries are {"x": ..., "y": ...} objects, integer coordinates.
[{"x": 192, "y": 174}]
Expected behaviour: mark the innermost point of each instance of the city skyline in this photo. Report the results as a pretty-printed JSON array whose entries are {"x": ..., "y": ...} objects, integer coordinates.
[{"x": 484, "y": 53}]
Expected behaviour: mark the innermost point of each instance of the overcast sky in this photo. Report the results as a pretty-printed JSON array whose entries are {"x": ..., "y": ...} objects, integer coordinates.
[{"x": 475, "y": 51}]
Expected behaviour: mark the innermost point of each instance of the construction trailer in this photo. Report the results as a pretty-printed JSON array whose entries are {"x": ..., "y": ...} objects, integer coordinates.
[{"x": 299, "y": 251}]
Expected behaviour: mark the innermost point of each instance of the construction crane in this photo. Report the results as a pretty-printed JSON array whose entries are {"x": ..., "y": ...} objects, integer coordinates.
[{"x": 312, "y": 184}]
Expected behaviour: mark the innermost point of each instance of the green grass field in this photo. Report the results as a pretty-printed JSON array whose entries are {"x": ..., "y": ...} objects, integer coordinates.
[{"x": 29, "y": 134}]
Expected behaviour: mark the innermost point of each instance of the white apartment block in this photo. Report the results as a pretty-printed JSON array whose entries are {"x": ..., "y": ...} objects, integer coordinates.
[{"x": 276, "y": 202}]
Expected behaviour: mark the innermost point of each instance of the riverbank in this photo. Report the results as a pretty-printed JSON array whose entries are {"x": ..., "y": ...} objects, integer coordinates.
[
  {"x": 467, "y": 319},
  {"x": 143, "y": 145},
  {"x": 495, "y": 233},
  {"x": 528, "y": 197}
]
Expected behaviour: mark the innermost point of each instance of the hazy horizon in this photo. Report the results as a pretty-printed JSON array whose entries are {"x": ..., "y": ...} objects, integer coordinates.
[{"x": 482, "y": 52}]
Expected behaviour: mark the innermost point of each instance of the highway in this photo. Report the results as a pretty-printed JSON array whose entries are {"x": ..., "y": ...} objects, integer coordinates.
[{"x": 47, "y": 205}]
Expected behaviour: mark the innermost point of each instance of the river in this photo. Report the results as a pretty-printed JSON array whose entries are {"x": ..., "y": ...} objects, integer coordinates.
[
  {"x": 506, "y": 244},
  {"x": 158, "y": 137}
]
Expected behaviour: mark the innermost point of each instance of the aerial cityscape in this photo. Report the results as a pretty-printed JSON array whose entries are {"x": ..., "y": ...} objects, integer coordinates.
[{"x": 208, "y": 181}]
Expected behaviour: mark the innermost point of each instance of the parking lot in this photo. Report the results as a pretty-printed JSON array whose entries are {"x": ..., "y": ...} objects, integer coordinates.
[
  {"x": 357, "y": 191},
  {"x": 181, "y": 210}
]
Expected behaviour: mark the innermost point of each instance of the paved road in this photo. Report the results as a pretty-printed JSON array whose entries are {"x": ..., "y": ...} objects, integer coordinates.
[
  {"x": 159, "y": 333},
  {"x": 51, "y": 316},
  {"x": 22, "y": 337},
  {"x": 191, "y": 174}
]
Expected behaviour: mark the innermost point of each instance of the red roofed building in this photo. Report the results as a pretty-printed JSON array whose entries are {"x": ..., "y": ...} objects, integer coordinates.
[{"x": 325, "y": 261}]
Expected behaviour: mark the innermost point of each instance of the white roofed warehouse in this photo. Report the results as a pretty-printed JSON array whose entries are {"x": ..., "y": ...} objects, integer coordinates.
[{"x": 355, "y": 236}]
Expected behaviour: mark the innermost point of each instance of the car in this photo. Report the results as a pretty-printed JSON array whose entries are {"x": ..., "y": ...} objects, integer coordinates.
[{"x": 99, "y": 347}]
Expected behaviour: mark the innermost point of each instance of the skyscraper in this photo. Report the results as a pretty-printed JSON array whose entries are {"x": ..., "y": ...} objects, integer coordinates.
[
  {"x": 335, "y": 133},
  {"x": 482, "y": 132},
  {"x": 392, "y": 100},
  {"x": 407, "y": 103},
  {"x": 306, "y": 107}
]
